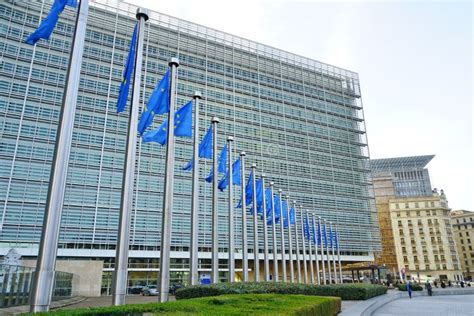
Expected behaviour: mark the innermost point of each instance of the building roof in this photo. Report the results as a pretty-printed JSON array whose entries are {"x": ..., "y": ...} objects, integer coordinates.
[{"x": 400, "y": 163}]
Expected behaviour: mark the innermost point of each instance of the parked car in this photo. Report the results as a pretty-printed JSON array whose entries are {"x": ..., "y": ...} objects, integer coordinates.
[
  {"x": 174, "y": 287},
  {"x": 137, "y": 289},
  {"x": 150, "y": 290}
]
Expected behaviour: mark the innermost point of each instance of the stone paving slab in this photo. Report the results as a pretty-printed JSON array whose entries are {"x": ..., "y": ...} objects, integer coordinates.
[{"x": 446, "y": 305}]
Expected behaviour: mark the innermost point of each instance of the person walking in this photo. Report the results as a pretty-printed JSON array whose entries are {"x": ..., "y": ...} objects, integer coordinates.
[
  {"x": 429, "y": 288},
  {"x": 409, "y": 289}
]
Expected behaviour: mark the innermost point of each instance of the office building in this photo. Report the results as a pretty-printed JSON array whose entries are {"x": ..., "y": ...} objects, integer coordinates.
[
  {"x": 410, "y": 177},
  {"x": 463, "y": 230},
  {"x": 300, "y": 120}
]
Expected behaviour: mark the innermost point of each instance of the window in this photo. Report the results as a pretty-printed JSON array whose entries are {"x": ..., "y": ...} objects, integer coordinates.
[{"x": 397, "y": 206}]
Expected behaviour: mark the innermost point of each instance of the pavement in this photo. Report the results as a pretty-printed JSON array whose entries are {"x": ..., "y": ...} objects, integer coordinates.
[{"x": 429, "y": 305}]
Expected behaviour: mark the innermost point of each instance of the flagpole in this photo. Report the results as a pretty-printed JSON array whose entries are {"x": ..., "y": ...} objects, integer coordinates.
[
  {"x": 194, "y": 255},
  {"x": 274, "y": 240},
  {"x": 230, "y": 139},
  {"x": 245, "y": 262},
  {"x": 215, "y": 209},
  {"x": 266, "y": 263},
  {"x": 328, "y": 260},
  {"x": 290, "y": 242},
  {"x": 256, "y": 260},
  {"x": 167, "y": 211},
  {"x": 315, "y": 246},
  {"x": 305, "y": 268},
  {"x": 45, "y": 266},
  {"x": 310, "y": 241},
  {"x": 295, "y": 234},
  {"x": 282, "y": 239},
  {"x": 338, "y": 254},
  {"x": 332, "y": 254},
  {"x": 320, "y": 233},
  {"x": 119, "y": 285}
]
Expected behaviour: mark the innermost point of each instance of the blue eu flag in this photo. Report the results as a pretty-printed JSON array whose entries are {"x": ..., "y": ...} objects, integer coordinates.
[
  {"x": 306, "y": 228},
  {"x": 325, "y": 236},
  {"x": 182, "y": 126},
  {"x": 158, "y": 103},
  {"x": 221, "y": 164},
  {"x": 292, "y": 216},
  {"x": 330, "y": 236},
  {"x": 47, "y": 26},
  {"x": 127, "y": 74},
  {"x": 314, "y": 232},
  {"x": 204, "y": 150},
  {"x": 268, "y": 206},
  {"x": 284, "y": 211},
  {"x": 224, "y": 182},
  {"x": 259, "y": 196},
  {"x": 248, "y": 191},
  {"x": 336, "y": 241},
  {"x": 319, "y": 232}
]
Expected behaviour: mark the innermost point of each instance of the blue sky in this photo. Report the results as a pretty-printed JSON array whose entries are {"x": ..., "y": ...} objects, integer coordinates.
[{"x": 414, "y": 59}]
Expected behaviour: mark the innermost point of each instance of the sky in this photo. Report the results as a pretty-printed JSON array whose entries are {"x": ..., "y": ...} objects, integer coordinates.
[{"x": 414, "y": 60}]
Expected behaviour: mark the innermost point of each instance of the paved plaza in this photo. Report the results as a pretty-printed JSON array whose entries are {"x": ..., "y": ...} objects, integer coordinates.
[{"x": 425, "y": 305}]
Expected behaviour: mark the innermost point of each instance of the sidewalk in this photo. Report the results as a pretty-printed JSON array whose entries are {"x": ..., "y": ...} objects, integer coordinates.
[
  {"x": 368, "y": 307},
  {"x": 15, "y": 310}
]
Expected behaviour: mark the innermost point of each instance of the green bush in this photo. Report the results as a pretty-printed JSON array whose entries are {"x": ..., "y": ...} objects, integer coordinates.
[
  {"x": 414, "y": 287},
  {"x": 344, "y": 291},
  {"x": 249, "y": 304}
]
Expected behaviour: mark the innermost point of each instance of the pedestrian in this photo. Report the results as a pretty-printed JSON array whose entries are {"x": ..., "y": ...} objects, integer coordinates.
[
  {"x": 429, "y": 288},
  {"x": 409, "y": 289},
  {"x": 450, "y": 284},
  {"x": 435, "y": 284},
  {"x": 462, "y": 283}
]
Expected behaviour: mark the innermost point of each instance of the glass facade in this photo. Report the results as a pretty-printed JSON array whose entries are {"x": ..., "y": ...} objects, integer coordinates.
[
  {"x": 410, "y": 178},
  {"x": 300, "y": 120}
]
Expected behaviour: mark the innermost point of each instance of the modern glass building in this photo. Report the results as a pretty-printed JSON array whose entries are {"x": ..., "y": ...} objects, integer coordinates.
[
  {"x": 410, "y": 177},
  {"x": 300, "y": 120}
]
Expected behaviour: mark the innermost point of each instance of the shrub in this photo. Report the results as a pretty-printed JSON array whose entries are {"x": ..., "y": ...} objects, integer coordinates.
[
  {"x": 249, "y": 304},
  {"x": 414, "y": 287},
  {"x": 344, "y": 291}
]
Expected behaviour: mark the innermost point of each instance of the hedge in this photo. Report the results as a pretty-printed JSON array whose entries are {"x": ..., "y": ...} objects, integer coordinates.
[
  {"x": 248, "y": 304},
  {"x": 414, "y": 287},
  {"x": 344, "y": 291}
]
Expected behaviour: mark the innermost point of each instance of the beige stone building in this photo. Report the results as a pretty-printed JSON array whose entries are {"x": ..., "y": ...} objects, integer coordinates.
[
  {"x": 463, "y": 230},
  {"x": 424, "y": 239}
]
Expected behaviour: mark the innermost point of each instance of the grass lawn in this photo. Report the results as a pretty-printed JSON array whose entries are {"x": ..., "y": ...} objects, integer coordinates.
[{"x": 235, "y": 304}]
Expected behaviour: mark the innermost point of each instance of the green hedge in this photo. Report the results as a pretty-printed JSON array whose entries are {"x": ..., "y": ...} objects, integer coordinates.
[
  {"x": 344, "y": 291},
  {"x": 414, "y": 287},
  {"x": 249, "y": 304}
]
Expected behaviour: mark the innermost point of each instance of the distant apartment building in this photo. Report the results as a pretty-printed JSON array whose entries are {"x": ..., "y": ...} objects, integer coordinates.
[
  {"x": 416, "y": 233},
  {"x": 463, "y": 230}
]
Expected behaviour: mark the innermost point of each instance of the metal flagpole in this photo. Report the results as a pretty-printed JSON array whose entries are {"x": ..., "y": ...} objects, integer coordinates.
[
  {"x": 320, "y": 233},
  {"x": 266, "y": 263},
  {"x": 339, "y": 255},
  {"x": 328, "y": 260},
  {"x": 119, "y": 286},
  {"x": 290, "y": 242},
  {"x": 230, "y": 139},
  {"x": 274, "y": 240},
  {"x": 305, "y": 269},
  {"x": 44, "y": 277},
  {"x": 315, "y": 245},
  {"x": 245, "y": 261},
  {"x": 164, "y": 275},
  {"x": 333, "y": 255},
  {"x": 295, "y": 233},
  {"x": 310, "y": 244},
  {"x": 215, "y": 215},
  {"x": 256, "y": 261},
  {"x": 194, "y": 255},
  {"x": 282, "y": 239}
]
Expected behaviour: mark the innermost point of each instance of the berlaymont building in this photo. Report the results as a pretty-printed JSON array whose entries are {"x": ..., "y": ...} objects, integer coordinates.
[{"x": 300, "y": 120}]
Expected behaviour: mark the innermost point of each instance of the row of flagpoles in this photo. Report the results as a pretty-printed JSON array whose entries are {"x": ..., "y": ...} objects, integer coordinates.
[{"x": 272, "y": 208}]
